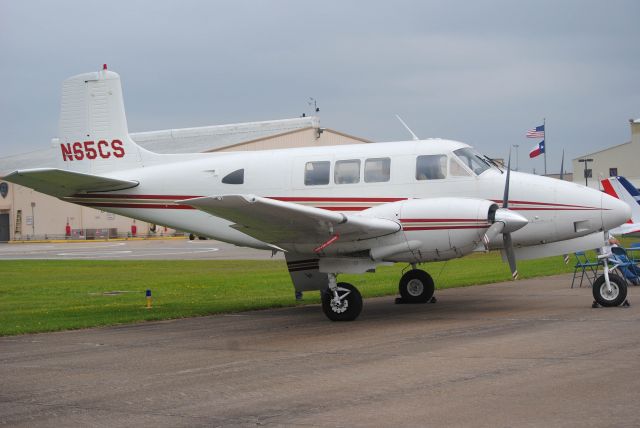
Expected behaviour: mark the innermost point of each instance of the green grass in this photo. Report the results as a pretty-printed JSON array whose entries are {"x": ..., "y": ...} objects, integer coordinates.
[{"x": 39, "y": 296}]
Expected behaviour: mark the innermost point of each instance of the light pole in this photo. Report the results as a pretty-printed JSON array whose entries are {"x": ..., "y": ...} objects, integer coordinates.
[
  {"x": 586, "y": 178},
  {"x": 516, "y": 147}
]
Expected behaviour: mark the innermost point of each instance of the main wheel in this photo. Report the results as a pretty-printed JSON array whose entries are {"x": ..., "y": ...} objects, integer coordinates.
[
  {"x": 416, "y": 286},
  {"x": 346, "y": 307},
  {"x": 616, "y": 296}
]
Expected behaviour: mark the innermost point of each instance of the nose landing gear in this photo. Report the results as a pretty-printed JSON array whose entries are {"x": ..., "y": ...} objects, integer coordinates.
[{"x": 609, "y": 289}]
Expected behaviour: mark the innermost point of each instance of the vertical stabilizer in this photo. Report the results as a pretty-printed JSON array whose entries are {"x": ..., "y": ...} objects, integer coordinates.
[
  {"x": 93, "y": 133},
  {"x": 621, "y": 188}
]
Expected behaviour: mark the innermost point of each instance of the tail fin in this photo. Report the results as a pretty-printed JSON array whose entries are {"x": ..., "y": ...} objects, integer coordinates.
[
  {"x": 621, "y": 188},
  {"x": 93, "y": 133}
]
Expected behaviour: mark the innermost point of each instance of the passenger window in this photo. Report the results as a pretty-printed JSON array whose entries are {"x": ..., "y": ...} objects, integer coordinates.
[
  {"x": 457, "y": 170},
  {"x": 316, "y": 173},
  {"x": 377, "y": 170},
  {"x": 431, "y": 167},
  {"x": 235, "y": 177},
  {"x": 347, "y": 171}
]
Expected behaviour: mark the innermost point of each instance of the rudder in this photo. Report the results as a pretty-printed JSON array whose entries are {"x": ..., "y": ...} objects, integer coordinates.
[{"x": 93, "y": 132}]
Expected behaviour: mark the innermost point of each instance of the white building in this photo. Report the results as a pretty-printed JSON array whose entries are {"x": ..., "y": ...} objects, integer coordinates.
[
  {"x": 617, "y": 160},
  {"x": 27, "y": 215}
]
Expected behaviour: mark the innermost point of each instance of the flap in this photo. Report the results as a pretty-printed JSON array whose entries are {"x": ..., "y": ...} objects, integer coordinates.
[
  {"x": 276, "y": 222},
  {"x": 58, "y": 182}
]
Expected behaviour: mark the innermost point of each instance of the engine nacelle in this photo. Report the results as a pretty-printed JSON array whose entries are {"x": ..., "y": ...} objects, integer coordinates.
[{"x": 437, "y": 228}]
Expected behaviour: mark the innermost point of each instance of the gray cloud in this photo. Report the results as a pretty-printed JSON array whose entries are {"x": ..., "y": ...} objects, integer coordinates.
[{"x": 482, "y": 72}]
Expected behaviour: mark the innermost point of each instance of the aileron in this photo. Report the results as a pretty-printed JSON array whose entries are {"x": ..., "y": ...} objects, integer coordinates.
[{"x": 60, "y": 183}]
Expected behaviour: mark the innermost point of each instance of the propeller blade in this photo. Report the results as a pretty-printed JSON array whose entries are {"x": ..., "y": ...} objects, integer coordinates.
[
  {"x": 494, "y": 230},
  {"x": 505, "y": 198},
  {"x": 511, "y": 222},
  {"x": 511, "y": 256}
]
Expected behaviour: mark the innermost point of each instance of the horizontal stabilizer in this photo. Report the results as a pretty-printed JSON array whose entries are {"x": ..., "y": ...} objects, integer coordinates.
[
  {"x": 277, "y": 222},
  {"x": 60, "y": 183}
]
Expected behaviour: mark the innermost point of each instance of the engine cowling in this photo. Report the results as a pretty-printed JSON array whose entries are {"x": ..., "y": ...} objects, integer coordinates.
[
  {"x": 437, "y": 228},
  {"x": 446, "y": 227}
]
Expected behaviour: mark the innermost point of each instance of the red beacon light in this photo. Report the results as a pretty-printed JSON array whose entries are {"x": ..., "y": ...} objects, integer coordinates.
[{"x": 104, "y": 66}]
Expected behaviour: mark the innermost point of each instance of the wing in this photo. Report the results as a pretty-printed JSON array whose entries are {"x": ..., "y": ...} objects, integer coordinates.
[
  {"x": 277, "y": 222},
  {"x": 58, "y": 182}
]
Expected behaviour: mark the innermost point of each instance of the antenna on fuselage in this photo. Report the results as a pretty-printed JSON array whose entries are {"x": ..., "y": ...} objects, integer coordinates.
[{"x": 414, "y": 137}]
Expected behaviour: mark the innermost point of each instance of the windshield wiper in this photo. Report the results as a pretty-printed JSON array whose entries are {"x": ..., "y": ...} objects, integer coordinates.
[{"x": 490, "y": 161}]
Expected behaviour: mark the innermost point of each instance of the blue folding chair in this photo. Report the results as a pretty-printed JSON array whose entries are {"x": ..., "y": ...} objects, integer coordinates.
[
  {"x": 624, "y": 265},
  {"x": 585, "y": 268},
  {"x": 632, "y": 251}
]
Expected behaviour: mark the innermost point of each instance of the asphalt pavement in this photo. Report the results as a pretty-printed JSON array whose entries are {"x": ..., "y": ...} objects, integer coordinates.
[{"x": 531, "y": 353}]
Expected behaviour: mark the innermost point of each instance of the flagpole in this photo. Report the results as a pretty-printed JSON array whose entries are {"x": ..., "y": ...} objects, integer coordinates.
[{"x": 544, "y": 126}]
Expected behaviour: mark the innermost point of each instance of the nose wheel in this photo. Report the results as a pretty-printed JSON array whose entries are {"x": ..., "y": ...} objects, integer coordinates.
[{"x": 613, "y": 294}]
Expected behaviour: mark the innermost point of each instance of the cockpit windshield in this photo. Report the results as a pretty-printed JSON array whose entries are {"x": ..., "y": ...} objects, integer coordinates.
[{"x": 473, "y": 160}]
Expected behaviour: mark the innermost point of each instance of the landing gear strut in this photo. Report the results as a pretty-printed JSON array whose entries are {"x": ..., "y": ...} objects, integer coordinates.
[
  {"x": 341, "y": 301},
  {"x": 416, "y": 286},
  {"x": 609, "y": 289}
]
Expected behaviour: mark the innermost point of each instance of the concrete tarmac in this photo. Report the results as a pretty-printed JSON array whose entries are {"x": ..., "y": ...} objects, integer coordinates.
[{"x": 527, "y": 354}]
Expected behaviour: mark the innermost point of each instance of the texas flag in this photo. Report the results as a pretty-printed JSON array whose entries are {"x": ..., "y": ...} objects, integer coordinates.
[{"x": 537, "y": 150}]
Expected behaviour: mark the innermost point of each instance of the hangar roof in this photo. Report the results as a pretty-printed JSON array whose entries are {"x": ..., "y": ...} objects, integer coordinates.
[{"x": 184, "y": 140}]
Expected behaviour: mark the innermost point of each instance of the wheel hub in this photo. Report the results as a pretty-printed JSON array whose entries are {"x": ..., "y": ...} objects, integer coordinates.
[
  {"x": 609, "y": 294},
  {"x": 339, "y": 303},
  {"x": 339, "y": 306},
  {"x": 415, "y": 287}
]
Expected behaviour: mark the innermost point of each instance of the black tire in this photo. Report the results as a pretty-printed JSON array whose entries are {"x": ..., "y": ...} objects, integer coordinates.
[
  {"x": 192, "y": 237},
  {"x": 416, "y": 286},
  {"x": 616, "y": 297},
  {"x": 348, "y": 308}
]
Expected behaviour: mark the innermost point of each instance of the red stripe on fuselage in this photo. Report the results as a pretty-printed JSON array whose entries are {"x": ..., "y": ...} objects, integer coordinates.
[
  {"x": 550, "y": 204},
  {"x": 541, "y": 206}
]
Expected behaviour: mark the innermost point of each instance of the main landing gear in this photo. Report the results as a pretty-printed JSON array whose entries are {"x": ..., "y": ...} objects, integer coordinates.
[
  {"x": 342, "y": 301},
  {"x": 416, "y": 286}
]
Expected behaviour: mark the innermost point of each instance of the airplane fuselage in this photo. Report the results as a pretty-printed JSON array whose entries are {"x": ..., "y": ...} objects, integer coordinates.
[{"x": 353, "y": 179}]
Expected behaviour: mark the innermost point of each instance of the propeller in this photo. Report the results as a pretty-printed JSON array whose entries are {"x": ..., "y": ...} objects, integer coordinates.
[
  {"x": 506, "y": 221},
  {"x": 506, "y": 236}
]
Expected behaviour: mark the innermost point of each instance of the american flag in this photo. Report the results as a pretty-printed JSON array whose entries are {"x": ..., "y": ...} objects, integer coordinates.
[{"x": 536, "y": 133}]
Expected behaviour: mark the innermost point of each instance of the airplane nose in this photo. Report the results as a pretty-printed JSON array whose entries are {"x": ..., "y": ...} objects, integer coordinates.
[{"x": 614, "y": 212}]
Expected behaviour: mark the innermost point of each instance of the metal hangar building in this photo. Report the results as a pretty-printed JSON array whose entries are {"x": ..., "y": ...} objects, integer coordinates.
[
  {"x": 621, "y": 159},
  {"x": 28, "y": 215}
]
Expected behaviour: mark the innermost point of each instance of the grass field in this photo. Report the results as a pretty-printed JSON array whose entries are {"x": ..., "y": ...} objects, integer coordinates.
[{"x": 39, "y": 296}]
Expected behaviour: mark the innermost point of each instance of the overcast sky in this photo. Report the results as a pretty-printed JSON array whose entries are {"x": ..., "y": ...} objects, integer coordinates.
[{"x": 482, "y": 72}]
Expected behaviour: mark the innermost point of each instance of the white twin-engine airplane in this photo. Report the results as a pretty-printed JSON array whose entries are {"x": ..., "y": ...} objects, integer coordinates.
[{"x": 331, "y": 210}]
